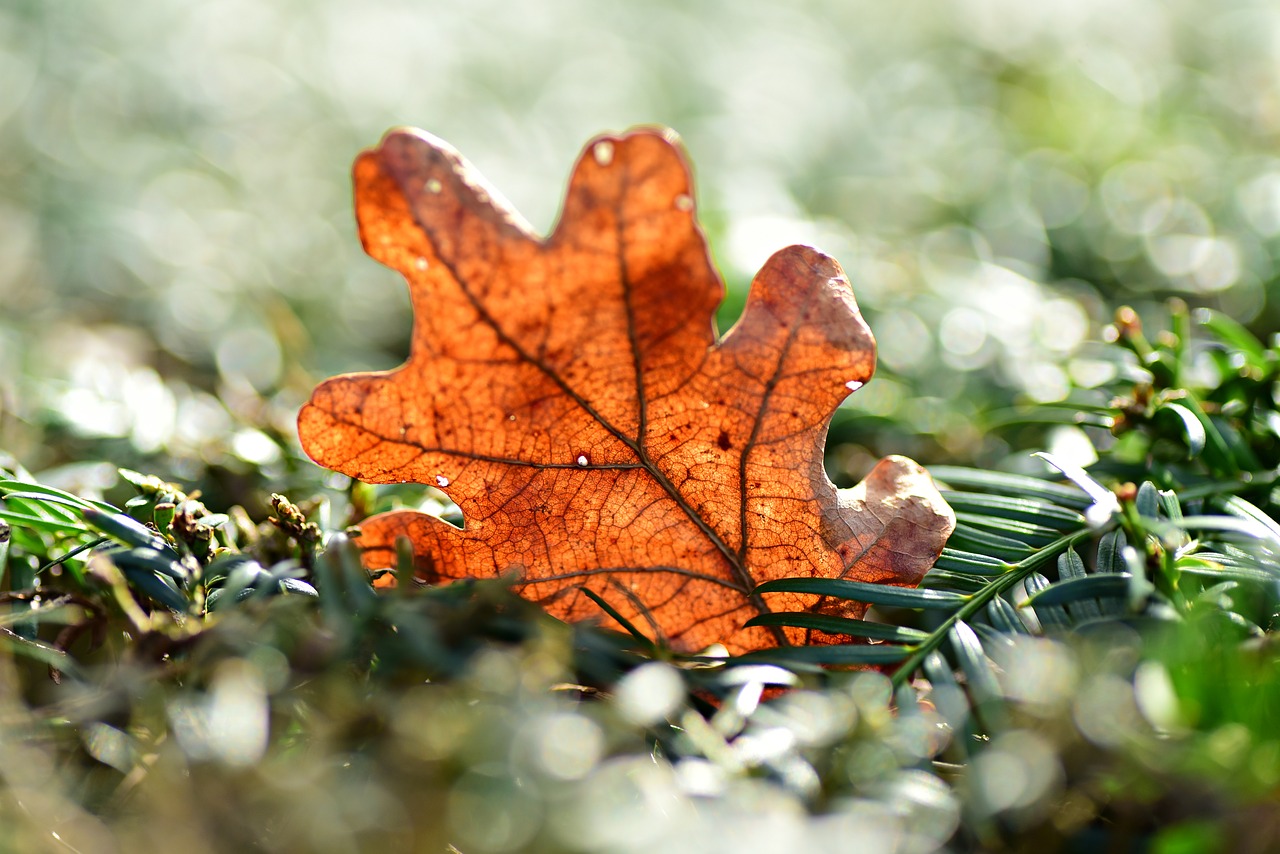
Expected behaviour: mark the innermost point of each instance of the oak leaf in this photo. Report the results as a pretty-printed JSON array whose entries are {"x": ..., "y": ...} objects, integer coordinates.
[{"x": 570, "y": 395}]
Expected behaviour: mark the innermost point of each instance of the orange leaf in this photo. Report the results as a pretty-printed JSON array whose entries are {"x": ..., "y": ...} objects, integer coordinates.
[{"x": 570, "y": 395}]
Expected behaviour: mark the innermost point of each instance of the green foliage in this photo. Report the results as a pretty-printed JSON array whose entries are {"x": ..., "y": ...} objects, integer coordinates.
[{"x": 1091, "y": 663}]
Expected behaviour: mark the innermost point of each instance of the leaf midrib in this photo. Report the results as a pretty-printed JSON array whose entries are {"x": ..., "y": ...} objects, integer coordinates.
[{"x": 735, "y": 561}]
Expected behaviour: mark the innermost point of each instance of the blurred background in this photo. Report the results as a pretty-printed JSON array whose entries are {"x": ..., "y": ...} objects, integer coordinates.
[
  {"x": 179, "y": 263},
  {"x": 179, "y": 266}
]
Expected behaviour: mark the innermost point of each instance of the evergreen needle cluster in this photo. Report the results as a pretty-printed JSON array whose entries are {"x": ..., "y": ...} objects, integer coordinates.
[{"x": 1091, "y": 663}]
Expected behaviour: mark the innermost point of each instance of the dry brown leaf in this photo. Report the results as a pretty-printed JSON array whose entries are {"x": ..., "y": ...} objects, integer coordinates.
[{"x": 570, "y": 395}]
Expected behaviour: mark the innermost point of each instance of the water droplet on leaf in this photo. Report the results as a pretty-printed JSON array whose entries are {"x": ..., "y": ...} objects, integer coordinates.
[
  {"x": 603, "y": 152},
  {"x": 442, "y": 481},
  {"x": 420, "y": 263},
  {"x": 582, "y": 459},
  {"x": 684, "y": 202},
  {"x": 853, "y": 385},
  {"x": 434, "y": 185}
]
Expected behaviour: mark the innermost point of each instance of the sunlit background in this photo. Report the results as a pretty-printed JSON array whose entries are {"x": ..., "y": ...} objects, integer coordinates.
[
  {"x": 179, "y": 266},
  {"x": 178, "y": 260}
]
